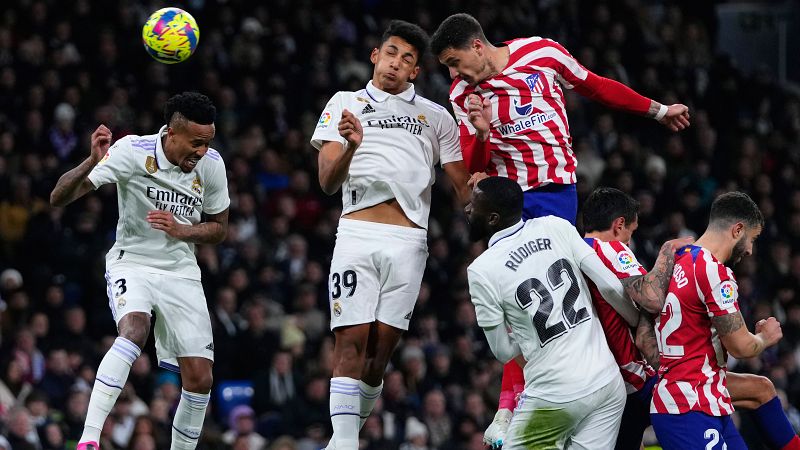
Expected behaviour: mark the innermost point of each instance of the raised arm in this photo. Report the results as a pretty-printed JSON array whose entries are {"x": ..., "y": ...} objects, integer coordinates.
[
  {"x": 334, "y": 158},
  {"x": 649, "y": 291},
  {"x": 740, "y": 342},
  {"x": 75, "y": 183}
]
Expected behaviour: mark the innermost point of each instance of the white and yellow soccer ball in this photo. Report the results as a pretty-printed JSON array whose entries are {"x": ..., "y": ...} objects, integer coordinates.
[{"x": 170, "y": 35}]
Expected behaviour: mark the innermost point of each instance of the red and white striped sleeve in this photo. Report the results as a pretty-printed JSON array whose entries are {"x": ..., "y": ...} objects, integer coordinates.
[
  {"x": 620, "y": 259},
  {"x": 717, "y": 284}
]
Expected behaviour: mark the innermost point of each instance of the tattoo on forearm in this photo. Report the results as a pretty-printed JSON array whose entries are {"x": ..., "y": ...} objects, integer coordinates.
[
  {"x": 649, "y": 291},
  {"x": 728, "y": 323},
  {"x": 653, "y": 110},
  {"x": 646, "y": 340},
  {"x": 69, "y": 183}
]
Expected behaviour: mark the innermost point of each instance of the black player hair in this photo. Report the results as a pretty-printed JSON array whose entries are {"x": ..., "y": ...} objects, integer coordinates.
[
  {"x": 606, "y": 204},
  {"x": 193, "y": 106},
  {"x": 733, "y": 207},
  {"x": 503, "y": 196},
  {"x": 457, "y": 31},
  {"x": 410, "y": 33}
]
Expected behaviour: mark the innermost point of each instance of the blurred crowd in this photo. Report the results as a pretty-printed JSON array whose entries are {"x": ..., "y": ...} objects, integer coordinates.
[{"x": 270, "y": 67}]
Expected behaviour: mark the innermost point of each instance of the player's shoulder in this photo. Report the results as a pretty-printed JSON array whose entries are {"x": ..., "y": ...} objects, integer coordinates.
[
  {"x": 351, "y": 96},
  {"x": 459, "y": 89},
  {"x": 211, "y": 161},
  {"x": 146, "y": 143},
  {"x": 708, "y": 267},
  {"x": 553, "y": 222}
]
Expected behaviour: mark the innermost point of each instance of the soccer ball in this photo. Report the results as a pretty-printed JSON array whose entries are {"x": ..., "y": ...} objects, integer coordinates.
[{"x": 170, "y": 35}]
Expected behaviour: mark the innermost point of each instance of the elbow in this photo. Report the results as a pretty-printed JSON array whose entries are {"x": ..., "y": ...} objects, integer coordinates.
[
  {"x": 56, "y": 200},
  {"x": 328, "y": 187},
  {"x": 653, "y": 307}
]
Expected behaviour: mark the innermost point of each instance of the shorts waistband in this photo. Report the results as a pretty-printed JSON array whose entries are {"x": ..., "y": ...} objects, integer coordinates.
[{"x": 362, "y": 226}]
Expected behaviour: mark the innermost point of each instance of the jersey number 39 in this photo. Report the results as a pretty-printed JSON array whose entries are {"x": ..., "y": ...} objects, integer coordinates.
[{"x": 555, "y": 280}]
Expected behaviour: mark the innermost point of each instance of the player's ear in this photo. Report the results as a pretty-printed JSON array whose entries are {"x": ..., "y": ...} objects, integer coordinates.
[
  {"x": 414, "y": 73},
  {"x": 738, "y": 230},
  {"x": 493, "y": 219},
  {"x": 373, "y": 57}
]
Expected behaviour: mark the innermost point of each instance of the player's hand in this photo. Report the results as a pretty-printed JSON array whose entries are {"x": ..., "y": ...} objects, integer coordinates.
[
  {"x": 165, "y": 221},
  {"x": 350, "y": 129},
  {"x": 101, "y": 141},
  {"x": 479, "y": 112},
  {"x": 677, "y": 117},
  {"x": 676, "y": 244},
  {"x": 496, "y": 433},
  {"x": 770, "y": 331},
  {"x": 475, "y": 178}
]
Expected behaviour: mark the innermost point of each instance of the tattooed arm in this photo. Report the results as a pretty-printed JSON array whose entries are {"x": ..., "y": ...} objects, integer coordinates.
[
  {"x": 739, "y": 342},
  {"x": 646, "y": 339},
  {"x": 649, "y": 291}
]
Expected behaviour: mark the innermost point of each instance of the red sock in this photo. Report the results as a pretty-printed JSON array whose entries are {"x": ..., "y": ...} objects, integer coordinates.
[{"x": 512, "y": 374}]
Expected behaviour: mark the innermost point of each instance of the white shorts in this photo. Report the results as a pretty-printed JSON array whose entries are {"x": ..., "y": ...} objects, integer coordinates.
[
  {"x": 182, "y": 324},
  {"x": 376, "y": 273},
  {"x": 590, "y": 423}
]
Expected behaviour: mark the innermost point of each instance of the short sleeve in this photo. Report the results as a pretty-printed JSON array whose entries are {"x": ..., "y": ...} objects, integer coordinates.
[
  {"x": 115, "y": 166},
  {"x": 449, "y": 146},
  {"x": 622, "y": 260},
  {"x": 488, "y": 309},
  {"x": 718, "y": 286},
  {"x": 327, "y": 129},
  {"x": 215, "y": 196}
]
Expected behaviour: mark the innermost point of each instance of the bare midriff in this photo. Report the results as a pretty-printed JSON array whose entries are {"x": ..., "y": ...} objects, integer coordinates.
[{"x": 389, "y": 212}]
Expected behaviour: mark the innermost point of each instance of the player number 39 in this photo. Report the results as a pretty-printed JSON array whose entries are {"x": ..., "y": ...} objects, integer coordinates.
[{"x": 346, "y": 280}]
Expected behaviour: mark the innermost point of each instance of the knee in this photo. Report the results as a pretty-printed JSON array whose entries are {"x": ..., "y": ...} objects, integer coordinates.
[
  {"x": 199, "y": 382},
  {"x": 766, "y": 390},
  {"x": 135, "y": 327}
]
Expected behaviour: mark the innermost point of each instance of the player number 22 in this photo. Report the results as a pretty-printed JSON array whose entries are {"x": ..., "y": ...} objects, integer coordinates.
[
  {"x": 346, "y": 279},
  {"x": 555, "y": 280}
]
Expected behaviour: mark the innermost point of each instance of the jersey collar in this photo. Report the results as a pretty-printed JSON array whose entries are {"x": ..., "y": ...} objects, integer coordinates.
[
  {"x": 381, "y": 96},
  {"x": 161, "y": 158},
  {"x": 504, "y": 233}
]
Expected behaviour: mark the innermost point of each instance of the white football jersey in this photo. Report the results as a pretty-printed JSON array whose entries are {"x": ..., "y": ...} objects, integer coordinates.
[
  {"x": 146, "y": 181},
  {"x": 405, "y": 136},
  {"x": 530, "y": 280}
]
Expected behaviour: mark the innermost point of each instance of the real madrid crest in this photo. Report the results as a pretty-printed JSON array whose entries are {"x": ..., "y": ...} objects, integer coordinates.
[
  {"x": 197, "y": 186},
  {"x": 150, "y": 165},
  {"x": 121, "y": 303},
  {"x": 337, "y": 309},
  {"x": 422, "y": 119}
]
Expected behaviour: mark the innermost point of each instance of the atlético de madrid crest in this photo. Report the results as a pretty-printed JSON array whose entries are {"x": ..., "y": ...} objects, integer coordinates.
[{"x": 150, "y": 165}]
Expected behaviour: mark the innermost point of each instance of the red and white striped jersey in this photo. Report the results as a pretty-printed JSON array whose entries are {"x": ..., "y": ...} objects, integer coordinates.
[
  {"x": 632, "y": 365},
  {"x": 529, "y": 140},
  {"x": 693, "y": 360}
]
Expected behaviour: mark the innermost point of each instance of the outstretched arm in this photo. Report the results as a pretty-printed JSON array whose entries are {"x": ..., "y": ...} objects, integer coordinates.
[
  {"x": 75, "y": 183},
  {"x": 618, "y": 96},
  {"x": 649, "y": 291}
]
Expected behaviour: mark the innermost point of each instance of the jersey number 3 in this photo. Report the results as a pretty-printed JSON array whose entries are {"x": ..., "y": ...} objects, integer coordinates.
[{"x": 555, "y": 279}]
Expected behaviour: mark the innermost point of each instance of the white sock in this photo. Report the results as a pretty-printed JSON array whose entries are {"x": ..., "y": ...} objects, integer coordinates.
[
  {"x": 368, "y": 396},
  {"x": 344, "y": 409},
  {"x": 188, "y": 420},
  {"x": 111, "y": 377}
]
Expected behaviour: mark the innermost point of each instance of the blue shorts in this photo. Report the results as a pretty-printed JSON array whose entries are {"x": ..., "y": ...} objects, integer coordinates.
[
  {"x": 560, "y": 200},
  {"x": 696, "y": 431},
  {"x": 636, "y": 417}
]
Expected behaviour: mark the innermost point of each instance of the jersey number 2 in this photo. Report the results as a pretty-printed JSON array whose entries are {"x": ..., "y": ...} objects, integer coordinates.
[{"x": 555, "y": 279}]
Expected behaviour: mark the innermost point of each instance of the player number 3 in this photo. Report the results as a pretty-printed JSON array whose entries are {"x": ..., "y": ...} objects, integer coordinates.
[{"x": 346, "y": 279}]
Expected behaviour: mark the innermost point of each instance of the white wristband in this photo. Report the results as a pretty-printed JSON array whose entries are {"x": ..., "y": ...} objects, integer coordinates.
[{"x": 662, "y": 111}]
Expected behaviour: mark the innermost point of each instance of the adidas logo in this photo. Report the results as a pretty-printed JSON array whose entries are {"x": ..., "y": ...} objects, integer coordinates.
[
  {"x": 368, "y": 109},
  {"x": 210, "y": 347},
  {"x": 408, "y": 316}
]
